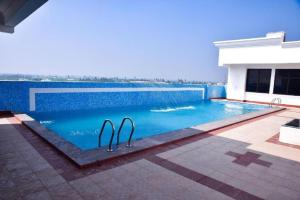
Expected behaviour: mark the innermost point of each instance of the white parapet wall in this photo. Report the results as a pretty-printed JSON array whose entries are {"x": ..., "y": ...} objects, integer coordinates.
[{"x": 289, "y": 135}]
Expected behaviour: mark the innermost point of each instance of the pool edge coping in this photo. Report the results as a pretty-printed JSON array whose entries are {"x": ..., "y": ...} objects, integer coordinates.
[{"x": 86, "y": 158}]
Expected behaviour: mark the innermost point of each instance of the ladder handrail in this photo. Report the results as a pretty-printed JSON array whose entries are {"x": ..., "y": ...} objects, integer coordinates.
[
  {"x": 274, "y": 101},
  {"x": 112, "y": 134},
  {"x": 131, "y": 133}
]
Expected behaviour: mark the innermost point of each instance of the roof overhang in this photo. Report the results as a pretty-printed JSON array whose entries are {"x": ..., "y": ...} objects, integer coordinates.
[
  {"x": 271, "y": 49},
  {"x": 12, "y": 12},
  {"x": 270, "y": 39}
]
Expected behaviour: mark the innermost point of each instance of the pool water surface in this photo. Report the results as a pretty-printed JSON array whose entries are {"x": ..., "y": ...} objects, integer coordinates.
[{"x": 82, "y": 127}]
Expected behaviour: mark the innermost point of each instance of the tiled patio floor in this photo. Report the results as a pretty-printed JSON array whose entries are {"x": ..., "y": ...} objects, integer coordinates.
[{"x": 239, "y": 162}]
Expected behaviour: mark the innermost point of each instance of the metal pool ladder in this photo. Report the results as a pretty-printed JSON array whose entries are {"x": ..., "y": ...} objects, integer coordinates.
[
  {"x": 131, "y": 133},
  {"x": 110, "y": 149},
  {"x": 273, "y": 102}
]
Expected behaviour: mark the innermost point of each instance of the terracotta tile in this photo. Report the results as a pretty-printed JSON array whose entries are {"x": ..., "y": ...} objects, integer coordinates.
[
  {"x": 212, "y": 183},
  {"x": 216, "y": 185},
  {"x": 229, "y": 190},
  {"x": 248, "y": 158},
  {"x": 71, "y": 172},
  {"x": 63, "y": 192},
  {"x": 88, "y": 189},
  {"x": 20, "y": 171},
  {"x": 246, "y": 196},
  {"x": 275, "y": 140},
  {"x": 32, "y": 187},
  {"x": 263, "y": 163},
  {"x": 11, "y": 193},
  {"x": 242, "y": 162},
  {"x": 233, "y": 154},
  {"x": 54, "y": 180},
  {"x": 25, "y": 180},
  {"x": 6, "y": 183},
  {"x": 204, "y": 180},
  {"x": 41, "y": 195}
]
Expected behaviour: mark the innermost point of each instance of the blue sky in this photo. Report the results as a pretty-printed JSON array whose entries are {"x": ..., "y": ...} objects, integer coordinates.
[{"x": 140, "y": 38}]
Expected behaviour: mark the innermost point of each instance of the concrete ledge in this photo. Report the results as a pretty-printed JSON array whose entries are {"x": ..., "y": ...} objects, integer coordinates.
[
  {"x": 290, "y": 132},
  {"x": 85, "y": 158},
  {"x": 257, "y": 102},
  {"x": 5, "y": 113}
]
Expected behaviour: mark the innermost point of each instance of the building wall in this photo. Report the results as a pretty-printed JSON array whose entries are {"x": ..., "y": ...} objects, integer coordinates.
[
  {"x": 274, "y": 54},
  {"x": 237, "y": 84},
  {"x": 269, "y": 50},
  {"x": 15, "y": 95}
]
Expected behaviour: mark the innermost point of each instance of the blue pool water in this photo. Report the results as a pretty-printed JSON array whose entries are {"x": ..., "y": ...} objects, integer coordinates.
[{"x": 82, "y": 127}]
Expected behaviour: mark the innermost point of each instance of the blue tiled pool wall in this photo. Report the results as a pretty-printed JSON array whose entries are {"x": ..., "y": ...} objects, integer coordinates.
[
  {"x": 14, "y": 96},
  {"x": 215, "y": 91}
]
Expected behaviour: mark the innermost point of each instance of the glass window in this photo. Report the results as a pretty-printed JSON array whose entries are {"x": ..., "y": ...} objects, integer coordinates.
[
  {"x": 258, "y": 80},
  {"x": 287, "y": 81}
]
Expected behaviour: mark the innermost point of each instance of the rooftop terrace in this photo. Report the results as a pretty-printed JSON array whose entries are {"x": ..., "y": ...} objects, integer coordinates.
[{"x": 242, "y": 161}]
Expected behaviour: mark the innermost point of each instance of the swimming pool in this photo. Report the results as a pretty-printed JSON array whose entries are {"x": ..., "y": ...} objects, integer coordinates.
[{"x": 82, "y": 127}]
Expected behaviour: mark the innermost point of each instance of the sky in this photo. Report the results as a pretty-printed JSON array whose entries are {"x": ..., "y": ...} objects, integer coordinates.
[{"x": 171, "y": 39}]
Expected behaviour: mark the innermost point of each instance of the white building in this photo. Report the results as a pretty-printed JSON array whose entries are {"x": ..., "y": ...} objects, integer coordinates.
[{"x": 260, "y": 69}]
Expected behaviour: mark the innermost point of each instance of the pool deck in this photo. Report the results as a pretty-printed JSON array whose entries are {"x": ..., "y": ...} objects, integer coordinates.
[
  {"x": 96, "y": 156},
  {"x": 241, "y": 161}
]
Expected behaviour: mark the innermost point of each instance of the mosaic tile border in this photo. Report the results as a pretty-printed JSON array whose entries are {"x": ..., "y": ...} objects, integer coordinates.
[{"x": 34, "y": 91}]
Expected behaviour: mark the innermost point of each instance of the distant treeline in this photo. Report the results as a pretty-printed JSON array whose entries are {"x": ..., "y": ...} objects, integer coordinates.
[{"x": 29, "y": 77}]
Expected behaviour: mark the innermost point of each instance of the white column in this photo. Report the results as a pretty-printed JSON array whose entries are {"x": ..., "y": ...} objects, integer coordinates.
[{"x": 272, "y": 80}]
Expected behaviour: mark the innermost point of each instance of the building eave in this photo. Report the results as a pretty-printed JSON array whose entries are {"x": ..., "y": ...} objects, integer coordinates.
[
  {"x": 271, "y": 39},
  {"x": 248, "y": 42},
  {"x": 271, "y": 49},
  {"x": 12, "y": 12}
]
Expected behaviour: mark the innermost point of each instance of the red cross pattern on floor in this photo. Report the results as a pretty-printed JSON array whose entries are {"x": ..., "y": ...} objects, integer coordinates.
[{"x": 248, "y": 158}]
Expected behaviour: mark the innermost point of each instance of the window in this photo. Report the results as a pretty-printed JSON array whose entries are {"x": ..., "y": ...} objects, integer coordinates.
[
  {"x": 287, "y": 81},
  {"x": 258, "y": 80}
]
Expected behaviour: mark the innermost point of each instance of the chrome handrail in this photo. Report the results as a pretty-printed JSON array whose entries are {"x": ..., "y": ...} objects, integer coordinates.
[
  {"x": 274, "y": 101},
  {"x": 131, "y": 133},
  {"x": 110, "y": 149}
]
